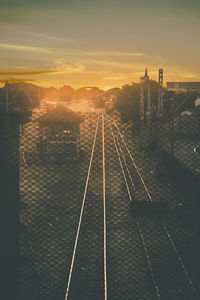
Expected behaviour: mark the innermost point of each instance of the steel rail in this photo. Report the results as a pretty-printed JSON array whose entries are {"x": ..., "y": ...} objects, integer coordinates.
[
  {"x": 81, "y": 213},
  {"x": 137, "y": 222},
  {"x": 122, "y": 154},
  {"x": 164, "y": 225},
  {"x": 104, "y": 210},
  {"x": 139, "y": 174}
]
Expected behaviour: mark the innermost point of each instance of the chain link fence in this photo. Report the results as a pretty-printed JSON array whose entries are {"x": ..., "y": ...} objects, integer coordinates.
[{"x": 149, "y": 256}]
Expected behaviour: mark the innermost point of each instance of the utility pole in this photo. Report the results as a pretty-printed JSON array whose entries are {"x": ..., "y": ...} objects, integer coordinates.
[
  {"x": 160, "y": 93},
  {"x": 39, "y": 96},
  {"x": 172, "y": 136},
  {"x": 159, "y": 129},
  {"x": 6, "y": 100},
  {"x": 90, "y": 112}
]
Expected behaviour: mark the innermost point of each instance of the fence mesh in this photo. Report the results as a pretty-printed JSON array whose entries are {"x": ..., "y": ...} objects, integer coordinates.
[{"x": 149, "y": 255}]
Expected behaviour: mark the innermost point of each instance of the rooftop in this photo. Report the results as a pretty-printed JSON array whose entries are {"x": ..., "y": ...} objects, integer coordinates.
[
  {"x": 184, "y": 85},
  {"x": 60, "y": 114}
]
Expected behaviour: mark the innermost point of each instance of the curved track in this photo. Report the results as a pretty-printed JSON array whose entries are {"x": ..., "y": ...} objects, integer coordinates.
[
  {"x": 105, "y": 283},
  {"x": 125, "y": 170},
  {"x": 97, "y": 249}
]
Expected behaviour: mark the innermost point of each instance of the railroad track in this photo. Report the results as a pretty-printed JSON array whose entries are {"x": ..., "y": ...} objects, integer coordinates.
[
  {"x": 130, "y": 186},
  {"x": 90, "y": 275}
]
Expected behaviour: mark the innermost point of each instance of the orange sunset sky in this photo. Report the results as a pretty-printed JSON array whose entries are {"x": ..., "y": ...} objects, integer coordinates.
[{"x": 98, "y": 43}]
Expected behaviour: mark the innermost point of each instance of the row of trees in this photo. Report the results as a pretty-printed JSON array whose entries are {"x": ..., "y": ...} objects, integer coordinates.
[
  {"x": 68, "y": 94},
  {"x": 21, "y": 98},
  {"x": 128, "y": 100},
  {"x": 26, "y": 96},
  {"x": 100, "y": 99}
]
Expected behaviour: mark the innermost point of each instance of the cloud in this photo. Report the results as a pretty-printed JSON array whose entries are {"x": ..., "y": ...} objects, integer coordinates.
[
  {"x": 29, "y": 32},
  {"x": 188, "y": 75},
  {"x": 112, "y": 53},
  {"x": 116, "y": 77},
  {"x": 25, "y": 48},
  {"x": 60, "y": 68},
  {"x": 13, "y": 80},
  {"x": 126, "y": 66},
  {"x": 68, "y": 68},
  {"x": 74, "y": 52},
  {"x": 30, "y": 72}
]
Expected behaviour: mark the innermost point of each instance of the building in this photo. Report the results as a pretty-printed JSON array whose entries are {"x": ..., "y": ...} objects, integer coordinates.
[
  {"x": 145, "y": 109},
  {"x": 145, "y": 98},
  {"x": 179, "y": 87},
  {"x": 59, "y": 134}
]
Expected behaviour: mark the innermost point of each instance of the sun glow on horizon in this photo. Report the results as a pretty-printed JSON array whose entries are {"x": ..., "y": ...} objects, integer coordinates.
[{"x": 50, "y": 44}]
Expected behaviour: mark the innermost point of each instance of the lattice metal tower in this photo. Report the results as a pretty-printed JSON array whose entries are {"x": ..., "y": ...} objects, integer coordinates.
[
  {"x": 160, "y": 94},
  {"x": 145, "y": 108}
]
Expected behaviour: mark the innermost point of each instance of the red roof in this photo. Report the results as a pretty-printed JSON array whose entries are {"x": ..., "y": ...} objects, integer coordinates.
[{"x": 60, "y": 114}]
